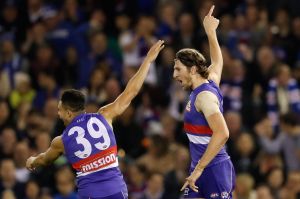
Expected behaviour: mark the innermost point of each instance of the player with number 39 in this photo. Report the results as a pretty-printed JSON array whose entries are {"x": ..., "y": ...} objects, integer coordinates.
[{"x": 88, "y": 140}]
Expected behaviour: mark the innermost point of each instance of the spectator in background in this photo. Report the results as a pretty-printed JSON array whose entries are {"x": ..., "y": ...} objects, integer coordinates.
[
  {"x": 176, "y": 177},
  {"x": 72, "y": 13},
  {"x": 137, "y": 181},
  {"x": 48, "y": 89},
  {"x": 154, "y": 188},
  {"x": 275, "y": 180},
  {"x": 165, "y": 69},
  {"x": 10, "y": 22},
  {"x": 167, "y": 22},
  {"x": 244, "y": 154},
  {"x": 8, "y": 179},
  {"x": 135, "y": 45},
  {"x": 112, "y": 89},
  {"x": 58, "y": 31},
  {"x": 292, "y": 187},
  {"x": 22, "y": 112},
  {"x": 11, "y": 60},
  {"x": 23, "y": 93},
  {"x": 42, "y": 141},
  {"x": 21, "y": 153},
  {"x": 7, "y": 142},
  {"x": 5, "y": 86},
  {"x": 186, "y": 34},
  {"x": 65, "y": 184},
  {"x": 281, "y": 30},
  {"x": 158, "y": 157},
  {"x": 32, "y": 190},
  {"x": 34, "y": 11},
  {"x": 133, "y": 144},
  {"x": 95, "y": 89},
  {"x": 50, "y": 113},
  {"x": 8, "y": 194},
  {"x": 232, "y": 88},
  {"x": 283, "y": 95},
  {"x": 178, "y": 99},
  {"x": 5, "y": 115},
  {"x": 70, "y": 67},
  {"x": 287, "y": 142},
  {"x": 35, "y": 38},
  {"x": 99, "y": 55},
  {"x": 235, "y": 127},
  {"x": 245, "y": 187},
  {"x": 83, "y": 32},
  {"x": 263, "y": 192}
]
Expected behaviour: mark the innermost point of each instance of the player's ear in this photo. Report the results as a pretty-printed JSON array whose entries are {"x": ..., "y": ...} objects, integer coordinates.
[
  {"x": 194, "y": 70},
  {"x": 69, "y": 113}
]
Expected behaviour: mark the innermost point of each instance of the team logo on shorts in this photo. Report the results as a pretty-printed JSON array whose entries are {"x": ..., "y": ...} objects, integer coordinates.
[
  {"x": 188, "y": 106},
  {"x": 224, "y": 194},
  {"x": 214, "y": 195},
  {"x": 186, "y": 191}
]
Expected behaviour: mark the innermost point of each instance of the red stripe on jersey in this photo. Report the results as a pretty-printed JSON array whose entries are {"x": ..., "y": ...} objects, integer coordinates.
[
  {"x": 197, "y": 129},
  {"x": 90, "y": 159}
]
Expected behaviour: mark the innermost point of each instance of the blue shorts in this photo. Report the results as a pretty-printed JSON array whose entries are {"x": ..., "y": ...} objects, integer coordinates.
[
  {"x": 217, "y": 181},
  {"x": 120, "y": 195}
]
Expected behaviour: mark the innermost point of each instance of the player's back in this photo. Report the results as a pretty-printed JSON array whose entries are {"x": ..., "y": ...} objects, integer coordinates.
[
  {"x": 197, "y": 128},
  {"x": 90, "y": 147}
]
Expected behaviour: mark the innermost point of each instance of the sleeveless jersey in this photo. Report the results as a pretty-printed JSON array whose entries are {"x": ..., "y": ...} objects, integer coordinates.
[
  {"x": 197, "y": 128},
  {"x": 90, "y": 146}
]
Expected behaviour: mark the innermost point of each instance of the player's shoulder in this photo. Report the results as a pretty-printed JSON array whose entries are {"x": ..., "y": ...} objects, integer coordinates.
[{"x": 207, "y": 95}]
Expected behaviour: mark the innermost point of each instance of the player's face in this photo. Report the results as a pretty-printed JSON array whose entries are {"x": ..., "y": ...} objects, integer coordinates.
[
  {"x": 182, "y": 75},
  {"x": 62, "y": 113}
]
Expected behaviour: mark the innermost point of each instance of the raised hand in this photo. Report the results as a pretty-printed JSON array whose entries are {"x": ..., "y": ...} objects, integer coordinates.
[
  {"x": 210, "y": 23},
  {"x": 154, "y": 50}
]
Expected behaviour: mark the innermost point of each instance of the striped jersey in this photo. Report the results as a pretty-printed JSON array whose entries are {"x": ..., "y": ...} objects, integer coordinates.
[
  {"x": 90, "y": 146},
  {"x": 197, "y": 128}
]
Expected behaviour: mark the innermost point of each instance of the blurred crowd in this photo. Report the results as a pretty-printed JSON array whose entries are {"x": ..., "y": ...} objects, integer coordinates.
[{"x": 96, "y": 46}]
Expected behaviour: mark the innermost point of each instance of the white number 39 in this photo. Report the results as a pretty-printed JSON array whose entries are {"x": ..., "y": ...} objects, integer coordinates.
[{"x": 101, "y": 131}]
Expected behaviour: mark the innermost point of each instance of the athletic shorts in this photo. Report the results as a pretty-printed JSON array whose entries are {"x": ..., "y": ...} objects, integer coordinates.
[
  {"x": 216, "y": 182},
  {"x": 120, "y": 195}
]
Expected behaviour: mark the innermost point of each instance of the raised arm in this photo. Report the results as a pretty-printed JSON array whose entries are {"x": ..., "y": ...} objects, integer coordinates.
[
  {"x": 53, "y": 152},
  {"x": 210, "y": 24},
  {"x": 134, "y": 85}
]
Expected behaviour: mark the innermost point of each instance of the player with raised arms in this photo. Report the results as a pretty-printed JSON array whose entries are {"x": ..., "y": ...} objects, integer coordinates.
[
  {"x": 88, "y": 140},
  {"x": 211, "y": 172}
]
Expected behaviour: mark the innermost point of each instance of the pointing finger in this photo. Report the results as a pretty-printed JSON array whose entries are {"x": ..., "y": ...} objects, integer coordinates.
[
  {"x": 211, "y": 10},
  {"x": 184, "y": 186}
]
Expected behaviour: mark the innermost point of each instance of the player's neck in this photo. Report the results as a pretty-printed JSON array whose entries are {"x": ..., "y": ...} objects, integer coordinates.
[
  {"x": 197, "y": 81},
  {"x": 74, "y": 115}
]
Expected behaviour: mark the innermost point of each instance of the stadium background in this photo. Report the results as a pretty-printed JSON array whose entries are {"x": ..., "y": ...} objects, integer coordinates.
[{"x": 97, "y": 45}]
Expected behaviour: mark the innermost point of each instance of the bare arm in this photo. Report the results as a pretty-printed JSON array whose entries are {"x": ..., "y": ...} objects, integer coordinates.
[
  {"x": 54, "y": 151},
  {"x": 216, "y": 122},
  {"x": 207, "y": 103},
  {"x": 134, "y": 85},
  {"x": 210, "y": 25}
]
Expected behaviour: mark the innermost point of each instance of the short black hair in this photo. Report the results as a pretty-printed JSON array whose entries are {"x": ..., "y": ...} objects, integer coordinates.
[
  {"x": 74, "y": 100},
  {"x": 191, "y": 57}
]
